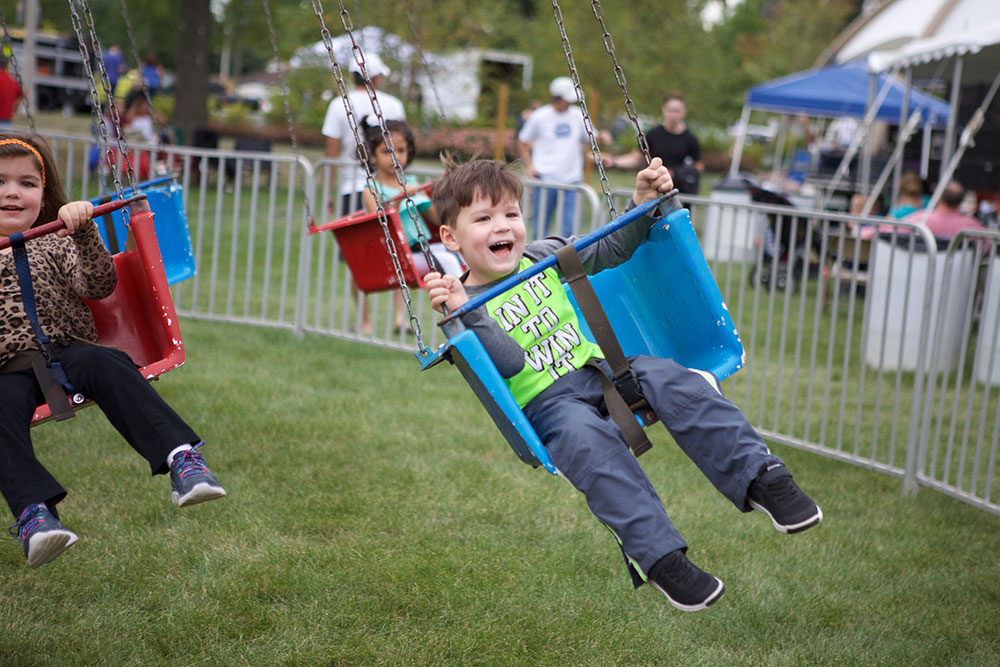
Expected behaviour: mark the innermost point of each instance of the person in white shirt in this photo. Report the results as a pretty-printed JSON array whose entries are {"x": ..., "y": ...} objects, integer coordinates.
[
  {"x": 551, "y": 145},
  {"x": 340, "y": 138}
]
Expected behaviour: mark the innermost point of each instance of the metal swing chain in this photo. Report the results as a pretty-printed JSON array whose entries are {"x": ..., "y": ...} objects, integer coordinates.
[
  {"x": 17, "y": 71},
  {"x": 427, "y": 70},
  {"x": 106, "y": 84},
  {"x": 142, "y": 80},
  {"x": 411, "y": 208},
  {"x": 95, "y": 98},
  {"x": 609, "y": 46},
  {"x": 285, "y": 94},
  {"x": 363, "y": 157},
  {"x": 587, "y": 123}
]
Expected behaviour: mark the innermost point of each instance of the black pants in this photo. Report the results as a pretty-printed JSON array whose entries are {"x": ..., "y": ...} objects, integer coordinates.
[{"x": 109, "y": 378}]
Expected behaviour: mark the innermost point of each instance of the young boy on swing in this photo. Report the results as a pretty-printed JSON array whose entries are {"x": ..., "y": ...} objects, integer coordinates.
[{"x": 479, "y": 208}]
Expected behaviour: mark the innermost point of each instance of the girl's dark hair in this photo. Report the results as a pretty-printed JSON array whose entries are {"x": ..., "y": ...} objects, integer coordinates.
[
  {"x": 53, "y": 197},
  {"x": 373, "y": 136}
]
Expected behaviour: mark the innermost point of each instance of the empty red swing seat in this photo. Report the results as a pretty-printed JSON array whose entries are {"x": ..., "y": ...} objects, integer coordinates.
[{"x": 139, "y": 316}]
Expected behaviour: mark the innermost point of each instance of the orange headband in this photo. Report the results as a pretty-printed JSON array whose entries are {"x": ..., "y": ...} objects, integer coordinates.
[{"x": 31, "y": 148}]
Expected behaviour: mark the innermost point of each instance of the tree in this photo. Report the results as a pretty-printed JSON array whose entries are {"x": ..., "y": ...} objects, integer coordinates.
[{"x": 193, "y": 52}]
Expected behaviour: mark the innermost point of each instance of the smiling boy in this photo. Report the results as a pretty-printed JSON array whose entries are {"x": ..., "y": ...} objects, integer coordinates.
[{"x": 532, "y": 334}]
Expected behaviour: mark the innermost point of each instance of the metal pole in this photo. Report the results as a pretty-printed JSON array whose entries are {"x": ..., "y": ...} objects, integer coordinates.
[
  {"x": 904, "y": 111},
  {"x": 949, "y": 132},
  {"x": 734, "y": 166},
  {"x": 866, "y": 155},
  {"x": 777, "y": 162},
  {"x": 968, "y": 134},
  {"x": 925, "y": 152},
  {"x": 31, "y": 14}
]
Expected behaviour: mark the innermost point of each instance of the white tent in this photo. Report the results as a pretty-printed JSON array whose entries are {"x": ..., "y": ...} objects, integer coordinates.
[
  {"x": 895, "y": 23},
  {"x": 976, "y": 56},
  {"x": 451, "y": 82},
  {"x": 953, "y": 40}
]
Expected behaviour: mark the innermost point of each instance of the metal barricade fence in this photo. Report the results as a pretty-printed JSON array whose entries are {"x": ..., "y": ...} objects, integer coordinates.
[
  {"x": 245, "y": 215},
  {"x": 329, "y": 303},
  {"x": 960, "y": 426},
  {"x": 847, "y": 338},
  {"x": 879, "y": 349},
  {"x": 559, "y": 209},
  {"x": 851, "y": 338}
]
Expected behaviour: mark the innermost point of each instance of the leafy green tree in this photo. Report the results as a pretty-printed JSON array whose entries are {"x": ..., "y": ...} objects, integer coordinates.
[
  {"x": 765, "y": 39},
  {"x": 660, "y": 46}
]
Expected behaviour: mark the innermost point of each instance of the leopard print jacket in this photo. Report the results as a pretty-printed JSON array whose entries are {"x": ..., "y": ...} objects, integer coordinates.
[{"x": 63, "y": 270}]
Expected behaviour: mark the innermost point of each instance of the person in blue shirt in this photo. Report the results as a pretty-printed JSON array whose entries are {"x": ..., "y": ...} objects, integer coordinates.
[
  {"x": 114, "y": 63},
  {"x": 152, "y": 73}
]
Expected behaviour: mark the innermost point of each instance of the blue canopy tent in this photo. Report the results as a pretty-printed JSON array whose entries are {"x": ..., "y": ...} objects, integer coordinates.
[
  {"x": 846, "y": 90},
  {"x": 843, "y": 90}
]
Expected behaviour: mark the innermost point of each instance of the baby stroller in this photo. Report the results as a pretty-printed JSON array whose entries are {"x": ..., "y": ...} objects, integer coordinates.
[{"x": 778, "y": 243}]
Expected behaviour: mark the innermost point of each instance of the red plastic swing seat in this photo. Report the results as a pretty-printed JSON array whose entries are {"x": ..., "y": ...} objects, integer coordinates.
[
  {"x": 363, "y": 246},
  {"x": 138, "y": 317}
]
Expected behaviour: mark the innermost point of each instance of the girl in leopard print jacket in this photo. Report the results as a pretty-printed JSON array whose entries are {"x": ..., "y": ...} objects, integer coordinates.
[{"x": 65, "y": 268}]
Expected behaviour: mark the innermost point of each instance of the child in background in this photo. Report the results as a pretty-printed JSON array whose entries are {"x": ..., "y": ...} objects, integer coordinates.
[
  {"x": 67, "y": 267},
  {"x": 561, "y": 395},
  {"x": 383, "y": 170}
]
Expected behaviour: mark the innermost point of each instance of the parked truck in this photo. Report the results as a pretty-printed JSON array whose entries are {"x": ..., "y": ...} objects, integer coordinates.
[{"x": 60, "y": 77}]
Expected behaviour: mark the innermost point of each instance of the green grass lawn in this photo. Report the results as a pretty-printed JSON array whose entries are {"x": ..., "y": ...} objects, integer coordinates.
[{"x": 375, "y": 516}]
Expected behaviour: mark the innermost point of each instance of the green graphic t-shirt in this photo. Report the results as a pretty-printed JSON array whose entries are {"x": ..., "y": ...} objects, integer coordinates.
[{"x": 539, "y": 316}]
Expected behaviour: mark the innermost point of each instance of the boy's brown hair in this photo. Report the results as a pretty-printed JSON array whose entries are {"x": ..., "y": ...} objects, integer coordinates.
[{"x": 461, "y": 183}]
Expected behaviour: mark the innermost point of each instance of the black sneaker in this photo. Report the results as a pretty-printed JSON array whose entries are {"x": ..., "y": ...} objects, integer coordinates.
[
  {"x": 41, "y": 535},
  {"x": 777, "y": 495},
  {"x": 686, "y": 586}
]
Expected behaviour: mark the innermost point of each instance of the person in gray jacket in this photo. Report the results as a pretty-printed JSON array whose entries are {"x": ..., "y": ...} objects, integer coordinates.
[{"x": 532, "y": 334}]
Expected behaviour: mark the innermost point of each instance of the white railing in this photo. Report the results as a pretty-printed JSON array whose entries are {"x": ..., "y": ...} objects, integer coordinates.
[{"x": 883, "y": 352}]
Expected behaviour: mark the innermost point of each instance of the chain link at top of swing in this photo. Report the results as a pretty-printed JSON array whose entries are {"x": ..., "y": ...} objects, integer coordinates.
[
  {"x": 123, "y": 149},
  {"x": 359, "y": 58},
  {"x": 587, "y": 122},
  {"x": 411, "y": 207},
  {"x": 609, "y": 46},
  {"x": 363, "y": 152},
  {"x": 288, "y": 107},
  {"x": 95, "y": 96},
  {"x": 142, "y": 80},
  {"x": 8, "y": 47}
]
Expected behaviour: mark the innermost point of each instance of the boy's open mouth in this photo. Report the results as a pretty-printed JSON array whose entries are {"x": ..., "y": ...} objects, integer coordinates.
[
  {"x": 503, "y": 248},
  {"x": 11, "y": 208}
]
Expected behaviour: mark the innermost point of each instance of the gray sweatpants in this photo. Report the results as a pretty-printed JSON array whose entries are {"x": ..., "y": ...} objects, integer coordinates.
[{"x": 589, "y": 449}]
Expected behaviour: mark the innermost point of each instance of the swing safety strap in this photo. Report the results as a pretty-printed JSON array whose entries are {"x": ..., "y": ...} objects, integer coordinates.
[
  {"x": 622, "y": 393},
  {"x": 49, "y": 372}
]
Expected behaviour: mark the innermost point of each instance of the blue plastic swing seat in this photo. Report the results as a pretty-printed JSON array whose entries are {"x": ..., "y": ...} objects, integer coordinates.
[
  {"x": 166, "y": 200},
  {"x": 662, "y": 302}
]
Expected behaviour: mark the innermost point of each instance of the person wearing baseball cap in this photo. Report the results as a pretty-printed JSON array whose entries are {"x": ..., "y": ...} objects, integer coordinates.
[
  {"x": 551, "y": 144},
  {"x": 340, "y": 137}
]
